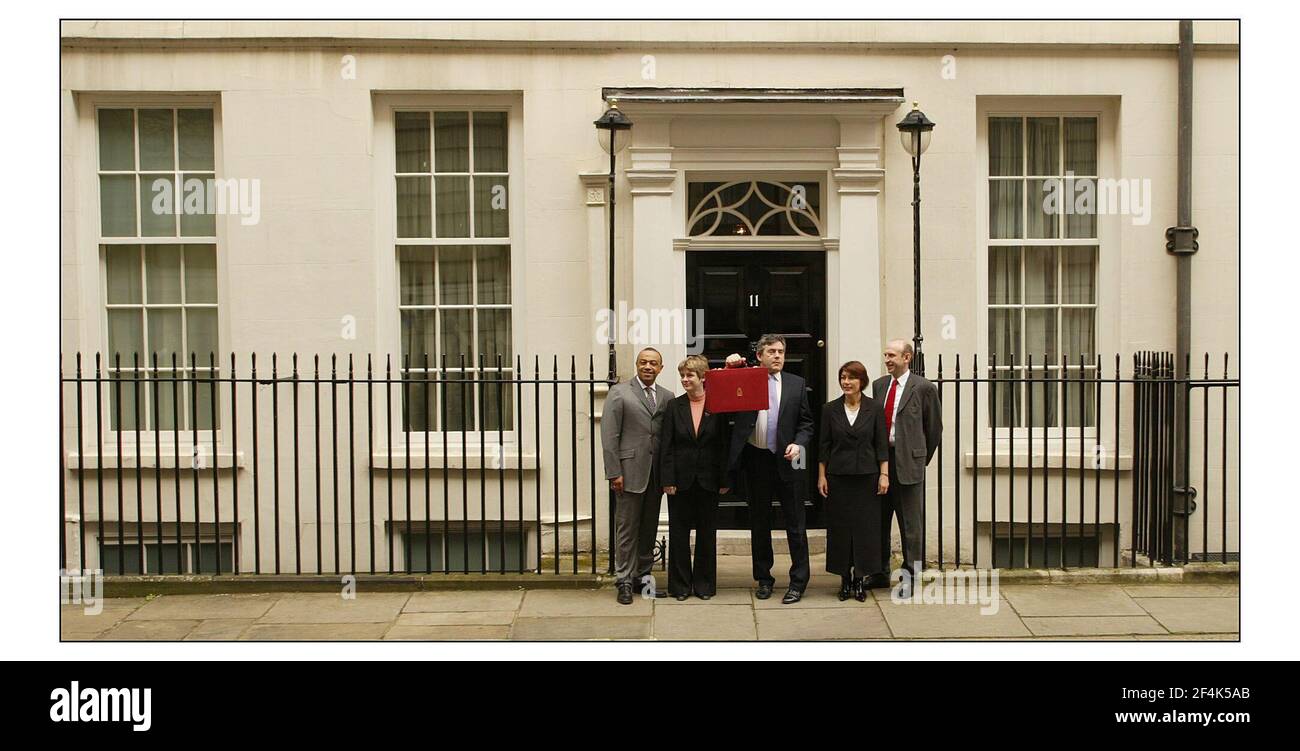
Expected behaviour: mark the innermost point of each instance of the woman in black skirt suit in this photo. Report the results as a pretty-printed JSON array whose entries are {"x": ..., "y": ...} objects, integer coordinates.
[
  {"x": 692, "y": 459},
  {"x": 853, "y": 475}
]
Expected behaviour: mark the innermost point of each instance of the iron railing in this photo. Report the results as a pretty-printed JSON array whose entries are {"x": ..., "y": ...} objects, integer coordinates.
[
  {"x": 1070, "y": 463},
  {"x": 305, "y": 470},
  {"x": 344, "y": 466}
]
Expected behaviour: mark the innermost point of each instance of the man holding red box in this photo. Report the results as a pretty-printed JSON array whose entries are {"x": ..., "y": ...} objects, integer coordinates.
[{"x": 770, "y": 447}]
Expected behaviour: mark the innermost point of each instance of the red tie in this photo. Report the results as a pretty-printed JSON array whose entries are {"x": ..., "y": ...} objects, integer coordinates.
[{"x": 889, "y": 406}]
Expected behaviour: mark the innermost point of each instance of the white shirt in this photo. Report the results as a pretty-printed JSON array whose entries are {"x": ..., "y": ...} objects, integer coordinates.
[
  {"x": 851, "y": 414},
  {"x": 898, "y": 402},
  {"x": 758, "y": 439}
]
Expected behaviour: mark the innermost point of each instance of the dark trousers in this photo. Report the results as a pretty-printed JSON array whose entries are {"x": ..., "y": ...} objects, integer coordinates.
[
  {"x": 765, "y": 484},
  {"x": 905, "y": 502},
  {"x": 636, "y": 522},
  {"x": 693, "y": 508}
]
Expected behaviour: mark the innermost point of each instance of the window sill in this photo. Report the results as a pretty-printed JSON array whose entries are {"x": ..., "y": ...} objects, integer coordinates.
[
  {"x": 510, "y": 460},
  {"x": 148, "y": 460},
  {"x": 1053, "y": 460}
]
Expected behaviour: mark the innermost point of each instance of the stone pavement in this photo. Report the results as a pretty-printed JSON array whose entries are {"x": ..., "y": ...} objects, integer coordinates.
[{"x": 1158, "y": 611}]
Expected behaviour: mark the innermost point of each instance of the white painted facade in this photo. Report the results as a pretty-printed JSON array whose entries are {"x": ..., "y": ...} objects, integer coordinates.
[{"x": 322, "y": 146}]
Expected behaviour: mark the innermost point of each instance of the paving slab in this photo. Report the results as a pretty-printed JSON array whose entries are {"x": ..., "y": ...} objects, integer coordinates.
[
  {"x": 729, "y": 596},
  {"x": 473, "y": 600},
  {"x": 1183, "y": 590},
  {"x": 588, "y": 627},
  {"x": 76, "y": 623},
  {"x": 219, "y": 629},
  {"x": 1190, "y": 637},
  {"x": 714, "y": 623},
  {"x": 557, "y": 603},
  {"x": 1196, "y": 615},
  {"x": 863, "y": 622},
  {"x": 373, "y": 607},
  {"x": 448, "y": 633},
  {"x": 314, "y": 632},
  {"x": 1061, "y": 599},
  {"x": 484, "y": 618},
  {"x": 1098, "y": 637},
  {"x": 1094, "y": 625},
  {"x": 205, "y": 607},
  {"x": 149, "y": 631},
  {"x": 922, "y": 621}
]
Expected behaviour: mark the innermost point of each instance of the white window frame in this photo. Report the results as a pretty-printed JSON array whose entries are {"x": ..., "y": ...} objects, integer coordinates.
[
  {"x": 1109, "y": 251},
  {"x": 169, "y": 540},
  {"x": 93, "y": 300},
  {"x": 388, "y": 301}
]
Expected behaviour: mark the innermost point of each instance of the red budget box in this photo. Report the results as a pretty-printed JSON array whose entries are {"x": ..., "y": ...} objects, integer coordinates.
[{"x": 735, "y": 390}]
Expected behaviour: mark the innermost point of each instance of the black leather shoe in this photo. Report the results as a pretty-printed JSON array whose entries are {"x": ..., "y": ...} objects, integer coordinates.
[
  {"x": 791, "y": 597},
  {"x": 860, "y": 590},
  {"x": 681, "y": 598},
  {"x": 846, "y": 590},
  {"x": 764, "y": 591},
  {"x": 625, "y": 593},
  {"x": 704, "y": 597}
]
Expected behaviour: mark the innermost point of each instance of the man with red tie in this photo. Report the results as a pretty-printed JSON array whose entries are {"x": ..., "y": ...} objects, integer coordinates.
[{"x": 913, "y": 422}]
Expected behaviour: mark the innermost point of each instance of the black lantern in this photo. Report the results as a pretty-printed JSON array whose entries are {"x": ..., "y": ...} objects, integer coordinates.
[
  {"x": 613, "y": 131},
  {"x": 914, "y": 131}
]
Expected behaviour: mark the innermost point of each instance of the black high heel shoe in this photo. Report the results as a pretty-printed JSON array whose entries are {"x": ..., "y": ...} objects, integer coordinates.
[
  {"x": 860, "y": 590},
  {"x": 846, "y": 589}
]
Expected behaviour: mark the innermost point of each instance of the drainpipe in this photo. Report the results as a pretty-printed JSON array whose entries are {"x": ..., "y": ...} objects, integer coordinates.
[{"x": 1181, "y": 243}]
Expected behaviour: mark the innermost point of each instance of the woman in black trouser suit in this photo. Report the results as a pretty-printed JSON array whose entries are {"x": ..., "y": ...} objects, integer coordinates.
[
  {"x": 693, "y": 469},
  {"x": 853, "y": 475}
]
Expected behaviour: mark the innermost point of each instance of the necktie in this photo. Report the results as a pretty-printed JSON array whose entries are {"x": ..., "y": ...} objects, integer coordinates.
[
  {"x": 650, "y": 397},
  {"x": 889, "y": 406},
  {"x": 773, "y": 406}
]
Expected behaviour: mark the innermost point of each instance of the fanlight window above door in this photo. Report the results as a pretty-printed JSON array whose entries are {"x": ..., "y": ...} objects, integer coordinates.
[{"x": 754, "y": 207}]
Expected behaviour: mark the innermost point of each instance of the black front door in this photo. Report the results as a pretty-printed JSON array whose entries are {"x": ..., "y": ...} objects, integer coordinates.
[{"x": 745, "y": 294}]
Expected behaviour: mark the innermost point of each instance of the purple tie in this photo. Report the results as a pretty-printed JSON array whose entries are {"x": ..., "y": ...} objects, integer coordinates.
[{"x": 773, "y": 405}]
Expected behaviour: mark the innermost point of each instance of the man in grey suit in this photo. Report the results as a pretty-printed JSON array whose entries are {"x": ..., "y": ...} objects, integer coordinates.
[
  {"x": 629, "y": 434},
  {"x": 913, "y": 421}
]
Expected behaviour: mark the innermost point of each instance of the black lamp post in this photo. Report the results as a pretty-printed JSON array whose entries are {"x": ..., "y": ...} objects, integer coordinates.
[
  {"x": 914, "y": 130},
  {"x": 619, "y": 128}
]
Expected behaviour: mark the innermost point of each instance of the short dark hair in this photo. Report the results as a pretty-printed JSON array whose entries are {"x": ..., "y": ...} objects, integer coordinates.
[
  {"x": 855, "y": 369},
  {"x": 648, "y": 349},
  {"x": 767, "y": 339}
]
